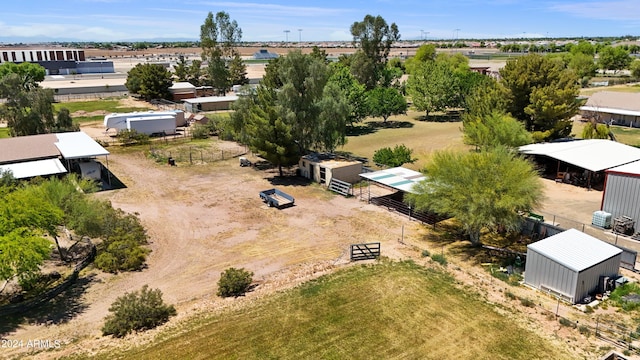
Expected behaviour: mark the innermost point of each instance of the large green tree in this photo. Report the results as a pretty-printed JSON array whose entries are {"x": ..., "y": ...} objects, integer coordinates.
[
  {"x": 29, "y": 74},
  {"x": 294, "y": 110},
  {"x": 481, "y": 190},
  {"x": 384, "y": 102},
  {"x": 426, "y": 52},
  {"x": 354, "y": 91},
  {"x": 150, "y": 81},
  {"x": 613, "y": 58},
  {"x": 373, "y": 37},
  {"x": 433, "y": 87},
  {"x": 542, "y": 94}
]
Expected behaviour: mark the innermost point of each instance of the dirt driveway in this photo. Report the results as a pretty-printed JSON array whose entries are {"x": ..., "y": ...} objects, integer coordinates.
[{"x": 204, "y": 219}]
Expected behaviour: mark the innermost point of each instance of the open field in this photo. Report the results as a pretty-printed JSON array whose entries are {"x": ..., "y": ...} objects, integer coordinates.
[
  {"x": 423, "y": 137},
  {"x": 399, "y": 310}
]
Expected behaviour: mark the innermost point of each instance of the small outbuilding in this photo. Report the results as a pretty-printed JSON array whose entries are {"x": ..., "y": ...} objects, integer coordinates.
[
  {"x": 182, "y": 90},
  {"x": 570, "y": 264},
  {"x": 613, "y": 107},
  {"x": 209, "y": 103},
  {"x": 322, "y": 168},
  {"x": 621, "y": 194}
]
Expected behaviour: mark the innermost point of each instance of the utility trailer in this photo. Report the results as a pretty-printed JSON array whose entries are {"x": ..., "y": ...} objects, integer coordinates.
[{"x": 276, "y": 198}]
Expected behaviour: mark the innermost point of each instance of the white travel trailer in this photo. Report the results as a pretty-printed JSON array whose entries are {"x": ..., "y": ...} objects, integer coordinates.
[
  {"x": 118, "y": 121},
  {"x": 159, "y": 124}
]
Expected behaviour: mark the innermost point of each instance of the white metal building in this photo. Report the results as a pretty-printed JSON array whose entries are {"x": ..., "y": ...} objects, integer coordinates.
[
  {"x": 621, "y": 195},
  {"x": 569, "y": 264}
]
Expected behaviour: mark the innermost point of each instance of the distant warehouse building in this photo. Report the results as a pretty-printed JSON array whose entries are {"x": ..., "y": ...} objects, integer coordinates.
[
  {"x": 209, "y": 103},
  {"x": 60, "y": 61},
  {"x": 570, "y": 264}
]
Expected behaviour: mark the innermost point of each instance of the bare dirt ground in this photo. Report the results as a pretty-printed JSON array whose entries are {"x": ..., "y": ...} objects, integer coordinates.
[{"x": 204, "y": 219}]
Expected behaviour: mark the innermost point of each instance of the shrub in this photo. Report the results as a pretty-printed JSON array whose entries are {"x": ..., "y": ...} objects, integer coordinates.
[
  {"x": 584, "y": 330},
  {"x": 200, "y": 132},
  {"x": 567, "y": 322},
  {"x": 425, "y": 253},
  {"x": 510, "y": 295},
  {"x": 139, "y": 310},
  {"x": 130, "y": 137},
  {"x": 440, "y": 259},
  {"x": 527, "y": 302},
  {"x": 234, "y": 282}
]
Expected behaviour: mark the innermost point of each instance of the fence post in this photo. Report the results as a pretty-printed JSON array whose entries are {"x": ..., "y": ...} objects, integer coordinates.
[
  {"x": 597, "y": 323},
  {"x": 190, "y": 157}
]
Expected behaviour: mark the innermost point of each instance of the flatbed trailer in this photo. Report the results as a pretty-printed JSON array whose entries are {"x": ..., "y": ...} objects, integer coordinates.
[{"x": 276, "y": 198}]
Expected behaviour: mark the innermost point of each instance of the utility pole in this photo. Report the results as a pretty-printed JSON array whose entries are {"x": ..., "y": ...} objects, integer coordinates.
[
  {"x": 286, "y": 35},
  {"x": 421, "y": 34},
  {"x": 456, "y": 30},
  {"x": 299, "y": 35}
]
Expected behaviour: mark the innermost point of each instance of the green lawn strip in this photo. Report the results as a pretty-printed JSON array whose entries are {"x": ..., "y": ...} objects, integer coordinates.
[
  {"x": 4, "y": 132},
  {"x": 389, "y": 310}
]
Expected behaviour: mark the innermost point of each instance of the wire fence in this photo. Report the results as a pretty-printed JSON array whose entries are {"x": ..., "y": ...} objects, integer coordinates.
[{"x": 193, "y": 155}]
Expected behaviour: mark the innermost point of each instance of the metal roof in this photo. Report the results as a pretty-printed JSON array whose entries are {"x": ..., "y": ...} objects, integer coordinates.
[
  {"x": 610, "y": 110},
  {"x": 614, "y": 100},
  {"x": 34, "y": 168},
  {"x": 211, "y": 99},
  {"x": 593, "y": 155},
  {"x": 575, "y": 249},
  {"x": 399, "y": 178},
  {"x": 77, "y": 145},
  {"x": 627, "y": 169},
  {"x": 182, "y": 86},
  {"x": 24, "y": 148}
]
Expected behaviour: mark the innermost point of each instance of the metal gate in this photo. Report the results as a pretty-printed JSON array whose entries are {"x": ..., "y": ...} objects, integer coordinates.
[{"x": 365, "y": 251}]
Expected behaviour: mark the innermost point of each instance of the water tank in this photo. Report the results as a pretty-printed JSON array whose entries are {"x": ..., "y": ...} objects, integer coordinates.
[{"x": 601, "y": 219}]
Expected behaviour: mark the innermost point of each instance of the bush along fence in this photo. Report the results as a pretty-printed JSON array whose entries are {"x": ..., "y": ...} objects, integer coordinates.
[
  {"x": 192, "y": 155},
  {"x": 51, "y": 293}
]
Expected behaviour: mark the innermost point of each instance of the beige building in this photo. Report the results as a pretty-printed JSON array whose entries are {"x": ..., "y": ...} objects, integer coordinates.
[
  {"x": 615, "y": 108},
  {"x": 321, "y": 168}
]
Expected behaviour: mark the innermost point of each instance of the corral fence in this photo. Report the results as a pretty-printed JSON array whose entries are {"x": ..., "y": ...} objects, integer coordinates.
[
  {"x": 365, "y": 251},
  {"x": 89, "y": 96},
  {"x": 341, "y": 187},
  {"x": 394, "y": 202},
  {"x": 193, "y": 155},
  {"x": 53, "y": 292}
]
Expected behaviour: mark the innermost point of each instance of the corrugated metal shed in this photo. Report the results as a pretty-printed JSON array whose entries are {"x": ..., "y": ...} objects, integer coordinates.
[
  {"x": 34, "y": 168},
  {"x": 575, "y": 250},
  {"x": 399, "y": 178},
  {"x": 593, "y": 154},
  {"x": 621, "y": 194},
  {"x": 570, "y": 264}
]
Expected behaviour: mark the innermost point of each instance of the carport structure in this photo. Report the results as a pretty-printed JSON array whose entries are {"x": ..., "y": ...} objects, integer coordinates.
[
  {"x": 46, "y": 154},
  {"x": 593, "y": 156},
  {"x": 395, "y": 182}
]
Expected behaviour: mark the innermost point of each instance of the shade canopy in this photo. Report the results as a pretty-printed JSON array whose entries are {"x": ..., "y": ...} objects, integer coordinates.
[
  {"x": 398, "y": 178},
  {"x": 34, "y": 168}
]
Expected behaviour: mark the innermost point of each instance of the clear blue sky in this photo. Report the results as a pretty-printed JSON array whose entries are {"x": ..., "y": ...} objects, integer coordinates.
[{"x": 113, "y": 20}]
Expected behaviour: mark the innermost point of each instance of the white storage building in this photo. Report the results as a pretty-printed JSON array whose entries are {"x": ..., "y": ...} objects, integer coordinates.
[{"x": 569, "y": 264}]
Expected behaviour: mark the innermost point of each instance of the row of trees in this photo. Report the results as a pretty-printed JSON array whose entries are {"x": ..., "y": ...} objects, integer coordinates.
[{"x": 28, "y": 109}]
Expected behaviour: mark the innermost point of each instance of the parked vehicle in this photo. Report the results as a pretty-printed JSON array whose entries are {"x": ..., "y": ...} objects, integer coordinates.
[{"x": 276, "y": 198}]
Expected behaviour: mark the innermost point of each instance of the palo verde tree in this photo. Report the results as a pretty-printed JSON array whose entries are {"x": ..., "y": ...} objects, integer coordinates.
[
  {"x": 150, "y": 81},
  {"x": 542, "y": 94},
  {"x": 373, "y": 38},
  {"x": 481, "y": 190},
  {"x": 495, "y": 129}
]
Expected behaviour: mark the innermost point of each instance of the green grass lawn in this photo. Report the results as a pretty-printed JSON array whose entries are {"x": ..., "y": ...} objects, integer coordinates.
[
  {"x": 4, "y": 132},
  {"x": 625, "y": 135},
  {"x": 618, "y": 88},
  {"x": 423, "y": 137},
  {"x": 392, "y": 310}
]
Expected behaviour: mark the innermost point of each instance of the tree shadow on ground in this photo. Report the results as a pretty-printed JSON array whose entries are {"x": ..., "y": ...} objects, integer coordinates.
[
  {"x": 360, "y": 130},
  {"x": 390, "y": 124},
  {"x": 289, "y": 180},
  {"x": 61, "y": 309},
  {"x": 439, "y": 118}
]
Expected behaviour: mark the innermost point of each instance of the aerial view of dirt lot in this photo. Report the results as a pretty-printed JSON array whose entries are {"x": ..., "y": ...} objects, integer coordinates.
[{"x": 204, "y": 218}]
